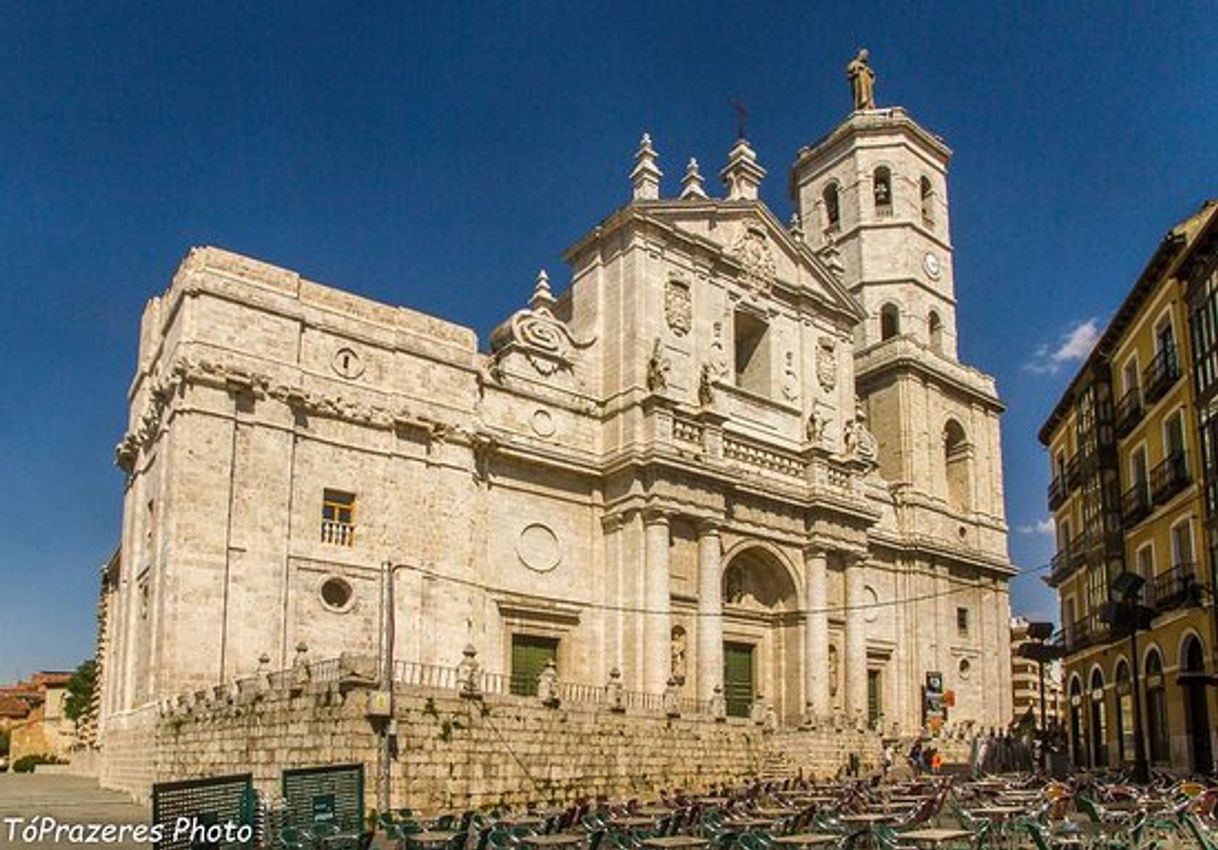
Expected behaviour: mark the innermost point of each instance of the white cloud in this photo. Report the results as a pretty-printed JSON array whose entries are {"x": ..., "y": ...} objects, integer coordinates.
[
  {"x": 1041, "y": 526},
  {"x": 1073, "y": 347}
]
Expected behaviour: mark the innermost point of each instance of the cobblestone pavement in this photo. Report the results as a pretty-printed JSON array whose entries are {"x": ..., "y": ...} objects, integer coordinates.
[{"x": 67, "y": 799}]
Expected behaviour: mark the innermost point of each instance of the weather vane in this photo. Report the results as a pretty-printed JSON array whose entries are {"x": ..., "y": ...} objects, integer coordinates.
[{"x": 742, "y": 115}]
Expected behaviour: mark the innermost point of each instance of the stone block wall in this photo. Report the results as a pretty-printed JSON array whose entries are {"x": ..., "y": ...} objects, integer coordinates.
[{"x": 456, "y": 753}]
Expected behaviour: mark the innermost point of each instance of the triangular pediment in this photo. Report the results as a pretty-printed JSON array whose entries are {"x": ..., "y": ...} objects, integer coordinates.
[{"x": 753, "y": 247}]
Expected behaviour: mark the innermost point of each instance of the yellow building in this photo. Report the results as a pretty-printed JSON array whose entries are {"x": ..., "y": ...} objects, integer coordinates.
[{"x": 1127, "y": 496}]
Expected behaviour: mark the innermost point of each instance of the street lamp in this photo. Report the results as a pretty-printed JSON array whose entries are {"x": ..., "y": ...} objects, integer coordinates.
[
  {"x": 1039, "y": 649},
  {"x": 1127, "y": 613}
]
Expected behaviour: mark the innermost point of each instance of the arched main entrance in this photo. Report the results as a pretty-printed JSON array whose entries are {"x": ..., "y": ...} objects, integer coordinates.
[
  {"x": 761, "y": 638},
  {"x": 1197, "y": 719}
]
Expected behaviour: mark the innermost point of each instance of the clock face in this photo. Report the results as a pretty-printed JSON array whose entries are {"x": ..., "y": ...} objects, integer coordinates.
[{"x": 931, "y": 263}]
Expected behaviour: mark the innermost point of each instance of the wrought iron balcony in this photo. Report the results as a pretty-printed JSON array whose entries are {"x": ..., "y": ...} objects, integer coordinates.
[
  {"x": 1174, "y": 588},
  {"x": 1086, "y": 632},
  {"x": 1169, "y": 477},
  {"x": 1135, "y": 503},
  {"x": 1068, "y": 558},
  {"x": 1160, "y": 374},
  {"x": 1057, "y": 493},
  {"x": 1128, "y": 411}
]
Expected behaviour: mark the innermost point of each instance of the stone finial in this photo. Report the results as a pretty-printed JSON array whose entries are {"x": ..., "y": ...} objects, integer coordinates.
[
  {"x": 742, "y": 175},
  {"x": 797, "y": 227},
  {"x": 542, "y": 296},
  {"x": 645, "y": 178},
  {"x": 691, "y": 183},
  {"x": 672, "y": 698},
  {"x": 547, "y": 685},
  {"x": 468, "y": 671},
  {"x": 757, "y": 710},
  {"x": 615, "y": 695},
  {"x": 718, "y": 705}
]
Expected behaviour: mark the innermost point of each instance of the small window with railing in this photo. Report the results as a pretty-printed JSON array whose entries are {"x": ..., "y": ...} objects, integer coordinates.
[{"x": 337, "y": 517}]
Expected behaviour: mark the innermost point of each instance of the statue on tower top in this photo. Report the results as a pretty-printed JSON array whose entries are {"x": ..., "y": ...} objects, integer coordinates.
[{"x": 862, "y": 80}]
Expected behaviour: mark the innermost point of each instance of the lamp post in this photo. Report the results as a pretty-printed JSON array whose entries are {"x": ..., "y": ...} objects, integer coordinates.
[
  {"x": 1129, "y": 613},
  {"x": 1039, "y": 649}
]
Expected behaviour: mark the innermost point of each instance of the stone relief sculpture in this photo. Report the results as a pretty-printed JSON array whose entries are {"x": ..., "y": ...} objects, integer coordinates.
[
  {"x": 545, "y": 341},
  {"x": 718, "y": 352},
  {"x": 757, "y": 261},
  {"x": 658, "y": 368},
  {"x": 832, "y": 670},
  {"x": 678, "y": 307},
  {"x": 862, "y": 80},
  {"x": 818, "y": 421},
  {"x": 706, "y": 392},
  {"x": 790, "y": 378},
  {"x": 826, "y": 363},
  {"x": 859, "y": 441}
]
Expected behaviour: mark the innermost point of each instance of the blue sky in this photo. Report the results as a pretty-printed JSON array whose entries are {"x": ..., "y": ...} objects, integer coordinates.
[{"x": 437, "y": 156}]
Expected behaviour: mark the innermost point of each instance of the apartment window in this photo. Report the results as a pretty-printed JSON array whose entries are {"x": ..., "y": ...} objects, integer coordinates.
[
  {"x": 1137, "y": 466},
  {"x": 337, "y": 517},
  {"x": 1173, "y": 435},
  {"x": 752, "y": 354},
  {"x": 1182, "y": 543},
  {"x": 1165, "y": 338},
  {"x": 1129, "y": 382},
  {"x": 1145, "y": 562},
  {"x": 962, "y": 622}
]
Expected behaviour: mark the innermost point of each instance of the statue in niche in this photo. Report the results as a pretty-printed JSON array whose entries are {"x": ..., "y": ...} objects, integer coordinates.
[
  {"x": 678, "y": 655},
  {"x": 862, "y": 80},
  {"x": 657, "y": 368},
  {"x": 734, "y": 587},
  {"x": 814, "y": 429},
  {"x": 832, "y": 670}
]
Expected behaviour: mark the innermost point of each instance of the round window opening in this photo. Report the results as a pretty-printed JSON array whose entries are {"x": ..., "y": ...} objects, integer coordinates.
[
  {"x": 336, "y": 593},
  {"x": 965, "y": 667}
]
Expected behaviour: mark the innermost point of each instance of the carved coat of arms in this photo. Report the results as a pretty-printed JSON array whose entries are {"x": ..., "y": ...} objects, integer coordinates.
[
  {"x": 826, "y": 363},
  {"x": 678, "y": 307},
  {"x": 753, "y": 252}
]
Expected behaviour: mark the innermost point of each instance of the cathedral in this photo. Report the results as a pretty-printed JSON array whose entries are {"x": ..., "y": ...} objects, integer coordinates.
[{"x": 726, "y": 455}]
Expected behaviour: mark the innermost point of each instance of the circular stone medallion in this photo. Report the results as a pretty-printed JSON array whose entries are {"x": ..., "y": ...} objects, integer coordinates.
[
  {"x": 542, "y": 423},
  {"x": 538, "y": 548}
]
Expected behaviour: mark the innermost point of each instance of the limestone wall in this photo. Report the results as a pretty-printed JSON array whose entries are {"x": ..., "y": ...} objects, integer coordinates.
[{"x": 453, "y": 753}]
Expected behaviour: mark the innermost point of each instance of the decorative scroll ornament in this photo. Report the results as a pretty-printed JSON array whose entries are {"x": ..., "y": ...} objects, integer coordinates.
[
  {"x": 545, "y": 341},
  {"x": 678, "y": 307},
  {"x": 790, "y": 378},
  {"x": 718, "y": 352},
  {"x": 752, "y": 251},
  {"x": 826, "y": 363}
]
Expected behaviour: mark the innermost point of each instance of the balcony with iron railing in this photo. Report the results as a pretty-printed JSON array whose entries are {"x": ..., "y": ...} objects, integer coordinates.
[
  {"x": 1135, "y": 503},
  {"x": 1169, "y": 477},
  {"x": 1074, "y": 472},
  {"x": 1128, "y": 411},
  {"x": 1160, "y": 374},
  {"x": 1085, "y": 632},
  {"x": 1174, "y": 588},
  {"x": 1068, "y": 558}
]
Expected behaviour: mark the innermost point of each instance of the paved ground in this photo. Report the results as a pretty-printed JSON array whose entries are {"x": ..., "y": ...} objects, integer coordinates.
[{"x": 67, "y": 799}]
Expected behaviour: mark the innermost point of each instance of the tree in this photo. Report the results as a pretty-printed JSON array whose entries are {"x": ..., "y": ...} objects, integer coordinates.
[{"x": 80, "y": 690}]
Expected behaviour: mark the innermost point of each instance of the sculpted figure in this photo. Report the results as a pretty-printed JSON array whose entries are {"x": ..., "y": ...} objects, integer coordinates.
[
  {"x": 657, "y": 368},
  {"x": 862, "y": 80}
]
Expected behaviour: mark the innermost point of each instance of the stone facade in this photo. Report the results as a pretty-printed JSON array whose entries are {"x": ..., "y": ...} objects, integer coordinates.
[{"x": 712, "y": 459}]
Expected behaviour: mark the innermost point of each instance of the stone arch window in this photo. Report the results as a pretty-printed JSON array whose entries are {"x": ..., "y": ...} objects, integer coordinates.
[
  {"x": 890, "y": 321},
  {"x": 934, "y": 327},
  {"x": 957, "y": 454},
  {"x": 928, "y": 202},
  {"x": 882, "y": 190},
  {"x": 1099, "y": 720},
  {"x": 833, "y": 209},
  {"x": 1156, "y": 708}
]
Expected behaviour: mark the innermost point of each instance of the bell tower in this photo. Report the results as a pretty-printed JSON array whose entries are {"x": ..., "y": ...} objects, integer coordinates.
[{"x": 874, "y": 193}]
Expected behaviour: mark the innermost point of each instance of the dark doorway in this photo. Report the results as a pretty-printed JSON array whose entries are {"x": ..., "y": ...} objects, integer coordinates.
[
  {"x": 738, "y": 678},
  {"x": 1197, "y": 712}
]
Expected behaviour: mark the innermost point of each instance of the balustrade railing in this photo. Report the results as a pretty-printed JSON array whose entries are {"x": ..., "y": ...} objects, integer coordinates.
[
  {"x": 337, "y": 533},
  {"x": 1174, "y": 588},
  {"x": 1161, "y": 373},
  {"x": 1128, "y": 411},
  {"x": 1135, "y": 503}
]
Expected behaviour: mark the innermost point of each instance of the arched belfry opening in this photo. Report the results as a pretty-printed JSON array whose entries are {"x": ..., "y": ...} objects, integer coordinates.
[
  {"x": 761, "y": 634},
  {"x": 957, "y": 462}
]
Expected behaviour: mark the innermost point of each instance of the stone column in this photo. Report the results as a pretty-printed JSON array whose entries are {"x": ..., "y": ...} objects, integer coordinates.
[
  {"x": 657, "y": 629},
  {"x": 816, "y": 631},
  {"x": 710, "y": 611},
  {"x": 856, "y": 640}
]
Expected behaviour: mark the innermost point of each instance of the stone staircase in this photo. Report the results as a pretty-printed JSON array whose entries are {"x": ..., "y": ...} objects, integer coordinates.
[{"x": 775, "y": 765}]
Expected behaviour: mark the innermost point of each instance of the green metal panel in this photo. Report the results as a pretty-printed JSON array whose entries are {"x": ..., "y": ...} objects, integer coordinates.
[
  {"x": 738, "y": 678},
  {"x": 332, "y": 795},
  {"x": 204, "y": 802},
  {"x": 529, "y": 656}
]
